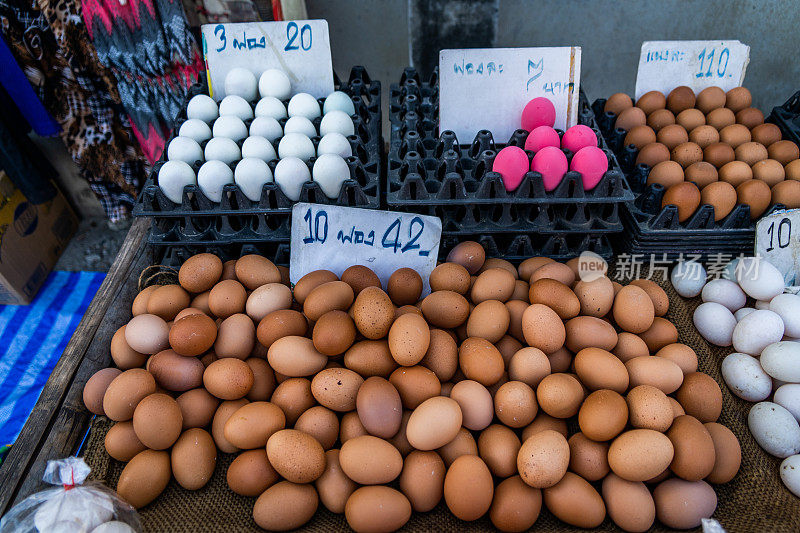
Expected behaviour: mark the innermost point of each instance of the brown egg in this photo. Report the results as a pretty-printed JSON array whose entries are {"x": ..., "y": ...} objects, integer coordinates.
[
  {"x": 442, "y": 355},
  {"x": 787, "y": 193},
  {"x": 666, "y": 174},
  {"x": 585, "y": 331},
  {"x": 333, "y": 486},
  {"x": 122, "y": 354},
  {"x": 144, "y": 478},
  {"x": 575, "y": 501},
  {"x": 682, "y": 355},
  {"x": 200, "y": 272},
  {"x": 488, "y": 320},
  {"x": 310, "y": 281},
  {"x": 721, "y": 196},
  {"x": 499, "y": 446},
  {"x": 328, "y": 297},
  {"x": 422, "y": 479},
  {"x": 280, "y": 323},
  {"x": 751, "y": 153},
  {"x": 588, "y": 458},
  {"x": 515, "y": 404},
  {"x": 285, "y": 506},
  {"x": 468, "y": 488},
  {"x": 336, "y": 388},
  {"x": 596, "y": 296},
  {"x": 529, "y": 365},
  {"x": 415, "y": 385},
  {"x": 373, "y": 313},
  {"x": 193, "y": 459},
  {"x": 516, "y": 309},
  {"x": 640, "y": 454},
  {"x": 750, "y": 117},
  {"x": 694, "y": 449},
  {"x": 639, "y": 136},
  {"x": 718, "y": 154},
  {"x": 651, "y": 101},
  {"x": 175, "y": 372},
  {"x": 157, "y": 421},
  {"x": 121, "y": 442},
  {"x": 166, "y": 301},
  {"x": 200, "y": 302},
  {"x": 709, "y": 99},
  {"x": 531, "y": 265},
  {"x": 661, "y": 333},
  {"x": 690, "y": 119},
  {"x": 560, "y": 395},
  {"x": 702, "y": 136},
  {"x": 682, "y": 504},
  {"x": 268, "y": 298},
  {"x": 672, "y": 135},
  {"x": 508, "y": 346},
  {"x": 516, "y": 506},
  {"x": 543, "y": 328},
  {"x": 475, "y": 402},
  {"x": 463, "y": 444},
  {"x": 404, "y": 286},
  {"x": 756, "y": 194},
  {"x": 447, "y": 309},
  {"x": 685, "y": 196},
  {"x": 377, "y": 508},
  {"x": 600, "y": 369},
  {"x": 543, "y": 459},
  {"x": 197, "y": 408},
  {"x": 228, "y": 379},
  {"x": 720, "y": 118},
  {"x": 544, "y": 421},
  {"x": 321, "y": 423},
  {"x": 687, "y": 153},
  {"x": 701, "y": 174},
  {"x": 95, "y": 389},
  {"x": 251, "y": 425},
  {"x": 496, "y": 262},
  {"x": 492, "y": 284},
  {"x": 379, "y": 406},
  {"x": 350, "y": 427},
  {"x": 769, "y": 171},
  {"x": 221, "y": 416},
  {"x": 793, "y": 170},
  {"x": 254, "y": 271},
  {"x": 334, "y": 333},
  {"x": 139, "y": 305},
  {"x": 766, "y": 134},
  {"x": 359, "y": 277},
  {"x": 603, "y": 415},
  {"x": 727, "y": 453},
  {"x": 660, "y": 118},
  {"x": 617, "y": 103},
  {"x": 738, "y": 98},
  {"x": 555, "y": 295},
  {"x": 630, "y": 118},
  {"x": 734, "y": 135},
  {"x": 296, "y": 456},
  {"x": 226, "y": 298},
  {"x": 264, "y": 381},
  {"x": 450, "y": 277},
  {"x": 194, "y": 335},
  {"x": 649, "y": 408},
  {"x": 468, "y": 254},
  {"x": 633, "y": 309},
  {"x": 700, "y": 396},
  {"x": 629, "y": 346},
  {"x": 649, "y": 155},
  {"x": 736, "y": 173},
  {"x": 438, "y": 412},
  {"x": 659, "y": 372},
  {"x": 295, "y": 357},
  {"x": 250, "y": 473},
  {"x": 557, "y": 271},
  {"x": 370, "y": 460},
  {"x": 125, "y": 392},
  {"x": 630, "y": 504},
  {"x": 783, "y": 151},
  {"x": 680, "y": 99},
  {"x": 481, "y": 360}
]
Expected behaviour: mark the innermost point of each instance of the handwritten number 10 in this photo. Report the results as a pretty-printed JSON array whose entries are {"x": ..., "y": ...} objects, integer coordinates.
[
  {"x": 314, "y": 233},
  {"x": 292, "y": 31},
  {"x": 721, "y": 67}
]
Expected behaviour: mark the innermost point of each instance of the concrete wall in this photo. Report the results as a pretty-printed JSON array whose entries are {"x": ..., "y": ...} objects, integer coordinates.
[{"x": 375, "y": 33}]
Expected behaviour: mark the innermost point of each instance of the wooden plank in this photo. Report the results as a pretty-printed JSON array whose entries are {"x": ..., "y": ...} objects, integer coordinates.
[{"x": 58, "y": 420}]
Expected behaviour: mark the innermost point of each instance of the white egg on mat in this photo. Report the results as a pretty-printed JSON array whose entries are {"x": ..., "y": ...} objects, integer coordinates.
[
  {"x": 258, "y": 147},
  {"x": 714, "y": 322},
  {"x": 334, "y": 143},
  {"x": 300, "y": 124},
  {"x": 774, "y": 428},
  {"x": 788, "y": 308},
  {"x": 196, "y": 129},
  {"x": 212, "y": 177},
  {"x": 745, "y": 377},
  {"x": 743, "y": 312},
  {"x": 241, "y": 82},
  {"x": 788, "y": 397},
  {"x": 266, "y": 127},
  {"x": 202, "y": 107},
  {"x": 759, "y": 278},
  {"x": 230, "y": 127},
  {"x": 290, "y": 175},
  {"x": 337, "y": 121},
  {"x": 688, "y": 278},
  {"x": 781, "y": 360},
  {"x": 173, "y": 176},
  {"x": 274, "y": 82},
  {"x": 235, "y": 106},
  {"x": 296, "y": 145},
  {"x": 184, "y": 149},
  {"x": 790, "y": 474},
  {"x": 338, "y": 101},
  {"x": 269, "y": 106},
  {"x": 725, "y": 292},
  {"x": 222, "y": 149},
  {"x": 756, "y": 331},
  {"x": 303, "y": 105},
  {"x": 330, "y": 171},
  {"x": 250, "y": 175}
]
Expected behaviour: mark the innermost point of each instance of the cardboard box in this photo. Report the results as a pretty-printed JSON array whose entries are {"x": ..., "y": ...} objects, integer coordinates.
[{"x": 32, "y": 237}]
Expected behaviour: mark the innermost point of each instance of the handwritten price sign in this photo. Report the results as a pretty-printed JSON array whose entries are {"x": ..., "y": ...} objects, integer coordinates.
[
  {"x": 778, "y": 241},
  {"x": 335, "y": 238}
]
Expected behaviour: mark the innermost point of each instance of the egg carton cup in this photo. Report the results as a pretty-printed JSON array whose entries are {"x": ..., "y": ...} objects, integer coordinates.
[
  {"x": 222, "y": 228},
  {"x": 516, "y": 247},
  {"x": 361, "y": 190},
  {"x": 787, "y": 118}
]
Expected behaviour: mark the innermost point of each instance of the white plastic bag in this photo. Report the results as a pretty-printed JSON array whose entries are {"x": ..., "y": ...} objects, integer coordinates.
[{"x": 72, "y": 507}]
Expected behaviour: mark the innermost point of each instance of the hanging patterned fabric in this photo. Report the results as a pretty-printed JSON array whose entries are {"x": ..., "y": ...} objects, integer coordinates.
[
  {"x": 49, "y": 41},
  {"x": 148, "y": 46}
]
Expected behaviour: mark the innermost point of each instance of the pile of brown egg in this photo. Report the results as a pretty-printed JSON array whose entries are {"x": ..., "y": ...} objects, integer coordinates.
[
  {"x": 710, "y": 149},
  {"x": 503, "y": 390}
]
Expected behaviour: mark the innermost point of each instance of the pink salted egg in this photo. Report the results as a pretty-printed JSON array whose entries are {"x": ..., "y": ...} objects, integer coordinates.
[
  {"x": 512, "y": 163},
  {"x": 552, "y": 164},
  {"x": 541, "y": 137},
  {"x": 578, "y": 137},
  {"x": 538, "y": 112},
  {"x": 592, "y": 163}
]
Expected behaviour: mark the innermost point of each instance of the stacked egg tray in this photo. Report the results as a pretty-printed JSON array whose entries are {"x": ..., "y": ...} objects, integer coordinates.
[
  {"x": 431, "y": 173},
  {"x": 652, "y": 229},
  {"x": 237, "y": 219},
  {"x": 787, "y": 118}
]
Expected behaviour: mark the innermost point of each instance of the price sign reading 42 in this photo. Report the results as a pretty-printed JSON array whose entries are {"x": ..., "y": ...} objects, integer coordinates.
[{"x": 335, "y": 238}]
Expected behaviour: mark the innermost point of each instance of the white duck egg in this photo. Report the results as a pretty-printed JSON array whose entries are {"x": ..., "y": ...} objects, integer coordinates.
[
  {"x": 759, "y": 278},
  {"x": 300, "y": 125},
  {"x": 743, "y": 312},
  {"x": 781, "y": 360},
  {"x": 202, "y": 107},
  {"x": 788, "y": 397},
  {"x": 715, "y": 323},
  {"x": 296, "y": 145},
  {"x": 334, "y": 143},
  {"x": 235, "y": 106},
  {"x": 196, "y": 129},
  {"x": 230, "y": 127},
  {"x": 745, "y": 377},
  {"x": 330, "y": 171},
  {"x": 222, "y": 149},
  {"x": 290, "y": 175},
  {"x": 258, "y": 147},
  {"x": 211, "y": 177},
  {"x": 725, "y": 292},
  {"x": 303, "y": 105},
  {"x": 274, "y": 82},
  {"x": 756, "y": 331},
  {"x": 774, "y": 428},
  {"x": 338, "y": 101},
  {"x": 184, "y": 149},
  {"x": 688, "y": 278},
  {"x": 241, "y": 82},
  {"x": 788, "y": 308},
  {"x": 266, "y": 127},
  {"x": 173, "y": 176},
  {"x": 250, "y": 175},
  {"x": 790, "y": 474},
  {"x": 337, "y": 121},
  {"x": 269, "y": 106}
]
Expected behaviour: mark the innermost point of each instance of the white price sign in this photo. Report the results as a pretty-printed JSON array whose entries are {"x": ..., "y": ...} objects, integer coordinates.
[
  {"x": 334, "y": 238},
  {"x": 664, "y": 65},
  {"x": 300, "y": 48},
  {"x": 778, "y": 241},
  {"x": 487, "y": 88}
]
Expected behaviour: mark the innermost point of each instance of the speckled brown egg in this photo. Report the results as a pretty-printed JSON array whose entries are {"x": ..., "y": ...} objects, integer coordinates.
[
  {"x": 556, "y": 296},
  {"x": 660, "y": 118},
  {"x": 560, "y": 395},
  {"x": 321, "y": 423},
  {"x": 680, "y": 99},
  {"x": 782, "y": 151},
  {"x": 543, "y": 459},
  {"x": 200, "y": 272},
  {"x": 649, "y": 408},
  {"x": 543, "y": 328},
  {"x": 296, "y": 456},
  {"x": 175, "y": 372},
  {"x": 450, "y": 277},
  {"x": 166, "y": 301},
  {"x": 709, "y": 99},
  {"x": 492, "y": 284},
  {"x": 227, "y": 298},
  {"x": 701, "y": 173},
  {"x": 629, "y": 118},
  {"x": 651, "y": 101},
  {"x": 515, "y": 404},
  {"x": 253, "y": 271},
  {"x": 666, "y": 174},
  {"x": 734, "y": 135},
  {"x": 617, "y": 103},
  {"x": 651, "y": 155},
  {"x": 470, "y": 254},
  {"x": 672, "y": 135},
  {"x": 373, "y": 312},
  {"x": 157, "y": 421},
  {"x": 756, "y": 194},
  {"x": 588, "y": 458},
  {"x": 751, "y": 153},
  {"x": 193, "y": 335},
  {"x": 633, "y": 309},
  {"x": 415, "y": 384},
  {"x": 310, "y": 281},
  {"x": 718, "y": 154},
  {"x": 687, "y": 153},
  {"x": 721, "y": 196},
  {"x": 702, "y": 136},
  {"x": 769, "y": 171},
  {"x": 409, "y": 338},
  {"x": 690, "y": 119},
  {"x": 787, "y": 193},
  {"x": 596, "y": 296},
  {"x": 446, "y": 309},
  {"x": 359, "y": 277},
  {"x": 640, "y": 454},
  {"x": 750, "y": 117},
  {"x": 736, "y": 173},
  {"x": 603, "y": 415},
  {"x": 738, "y": 98},
  {"x": 720, "y": 118},
  {"x": 639, "y": 136},
  {"x": 228, "y": 379},
  {"x": 334, "y": 333},
  {"x": 685, "y": 196},
  {"x": 766, "y": 134},
  {"x": 404, "y": 286}
]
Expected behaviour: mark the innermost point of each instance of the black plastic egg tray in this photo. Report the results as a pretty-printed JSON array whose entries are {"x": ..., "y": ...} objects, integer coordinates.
[
  {"x": 433, "y": 173},
  {"x": 787, "y": 118},
  {"x": 175, "y": 255},
  {"x": 520, "y": 246},
  {"x": 236, "y": 218}
]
